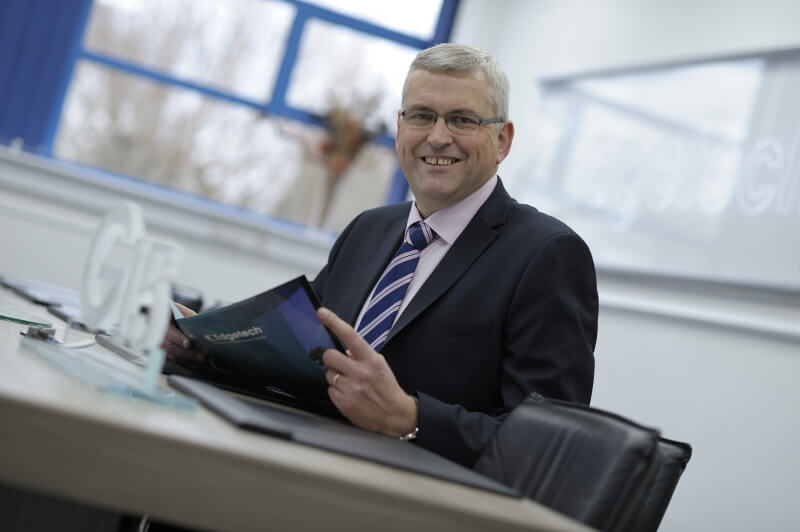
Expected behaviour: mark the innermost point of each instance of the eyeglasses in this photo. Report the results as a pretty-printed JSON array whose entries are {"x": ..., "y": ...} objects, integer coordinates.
[{"x": 459, "y": 123}]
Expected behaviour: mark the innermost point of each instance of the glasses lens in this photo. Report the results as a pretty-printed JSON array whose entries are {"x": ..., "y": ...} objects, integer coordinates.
[
  {"x": 462, "y": 122},
  {"x": 417, "y": 117}
]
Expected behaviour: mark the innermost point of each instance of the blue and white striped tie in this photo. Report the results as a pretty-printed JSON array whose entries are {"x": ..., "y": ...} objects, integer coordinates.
[{"x": 379, "y": 317}]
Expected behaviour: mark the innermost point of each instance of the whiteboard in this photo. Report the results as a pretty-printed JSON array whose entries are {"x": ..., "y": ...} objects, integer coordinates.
[{"x": 689, "y": 170}]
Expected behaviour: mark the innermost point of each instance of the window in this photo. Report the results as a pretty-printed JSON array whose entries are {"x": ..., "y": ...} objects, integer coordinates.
[
  {"x": 234, "y": 46},
  {"x": 365, "y": 77},
  {"x": 249, "y": 102}
]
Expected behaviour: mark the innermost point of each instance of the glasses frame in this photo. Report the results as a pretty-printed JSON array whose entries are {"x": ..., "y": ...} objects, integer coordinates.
[{"x": 453, "y": 129}]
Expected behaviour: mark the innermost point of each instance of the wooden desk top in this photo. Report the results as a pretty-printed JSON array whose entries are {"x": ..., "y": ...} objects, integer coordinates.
[{"x": 60, "y": 436}]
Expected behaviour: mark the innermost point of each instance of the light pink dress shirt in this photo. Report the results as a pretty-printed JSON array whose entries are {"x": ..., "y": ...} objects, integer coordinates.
[{"x": 448, "y": 224}]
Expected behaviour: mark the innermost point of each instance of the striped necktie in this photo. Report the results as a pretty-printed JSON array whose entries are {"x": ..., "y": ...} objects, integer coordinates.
[{"x": 388, "y": 295}]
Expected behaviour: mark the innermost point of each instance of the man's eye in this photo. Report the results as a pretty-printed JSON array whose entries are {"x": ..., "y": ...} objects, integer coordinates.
[
  {"x": 420, "y": 116},
  {"x": 462, "y": 120}
]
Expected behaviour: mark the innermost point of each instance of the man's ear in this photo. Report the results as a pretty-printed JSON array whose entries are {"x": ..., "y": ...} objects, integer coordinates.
[
  {"x": 399, "y": 114},
  {"x": 504, "y": 139}
]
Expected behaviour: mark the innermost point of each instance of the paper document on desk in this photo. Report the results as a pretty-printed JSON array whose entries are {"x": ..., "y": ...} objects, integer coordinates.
[{"x": 273, "y": 339}]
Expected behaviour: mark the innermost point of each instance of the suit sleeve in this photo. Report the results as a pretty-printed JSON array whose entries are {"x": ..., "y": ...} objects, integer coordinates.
[{"x": 549, "y": 334}]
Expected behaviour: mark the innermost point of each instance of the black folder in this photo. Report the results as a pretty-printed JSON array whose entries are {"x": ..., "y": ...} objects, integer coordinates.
[{"x": 332, "y": 435}]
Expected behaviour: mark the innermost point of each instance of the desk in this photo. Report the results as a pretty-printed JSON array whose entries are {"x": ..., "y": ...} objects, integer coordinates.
[{"x": 61, "y": 437}]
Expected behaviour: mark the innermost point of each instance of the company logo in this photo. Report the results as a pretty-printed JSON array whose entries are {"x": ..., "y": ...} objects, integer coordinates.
[{"x": 236, "y": 336}]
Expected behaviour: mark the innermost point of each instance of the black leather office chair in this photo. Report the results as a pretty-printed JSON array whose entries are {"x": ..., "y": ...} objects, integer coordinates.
[
  {"x": 671, "y": 459},
  {"x": 589, "y": 464}
]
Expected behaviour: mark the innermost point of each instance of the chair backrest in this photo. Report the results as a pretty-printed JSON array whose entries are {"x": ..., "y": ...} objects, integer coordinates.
[
  {"x": 586, "y": 463},
  {"x": 671, "y": 459}
]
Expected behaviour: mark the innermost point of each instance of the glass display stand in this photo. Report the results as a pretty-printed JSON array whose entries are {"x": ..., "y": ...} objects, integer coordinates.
[{"x": 107, "y": 373}]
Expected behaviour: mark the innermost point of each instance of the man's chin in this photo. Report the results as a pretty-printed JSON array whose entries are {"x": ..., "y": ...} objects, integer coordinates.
[
  {"x": 435, "y": 188},
  {"x": 435, "y": 197}
]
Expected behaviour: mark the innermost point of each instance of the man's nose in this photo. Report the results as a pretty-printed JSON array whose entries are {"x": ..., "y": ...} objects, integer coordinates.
[{"x": 439, "y": 135}]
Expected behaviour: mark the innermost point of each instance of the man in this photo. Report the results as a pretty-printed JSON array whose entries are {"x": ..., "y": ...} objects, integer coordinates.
[{"x": 502, "y": 299}]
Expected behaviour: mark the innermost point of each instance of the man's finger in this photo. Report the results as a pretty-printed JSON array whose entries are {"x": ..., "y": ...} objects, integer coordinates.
[
  {"x": 176, "y": 353},
  {"x": 175, "y": 336},
  {"x": 186, "y": 311},
  {"x": 334, "y": 360},
  {"x": 356, "y": 346}
]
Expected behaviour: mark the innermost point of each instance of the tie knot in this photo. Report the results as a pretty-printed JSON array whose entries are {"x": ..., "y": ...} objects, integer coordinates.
[{"x": 419, "y": 235}]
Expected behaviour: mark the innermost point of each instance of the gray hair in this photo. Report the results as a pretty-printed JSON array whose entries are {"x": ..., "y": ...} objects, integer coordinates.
[{"x": 462, "y": 58}]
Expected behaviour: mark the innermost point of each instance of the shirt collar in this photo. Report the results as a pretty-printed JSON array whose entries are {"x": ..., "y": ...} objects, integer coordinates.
[{"x": 449, "y": 222}]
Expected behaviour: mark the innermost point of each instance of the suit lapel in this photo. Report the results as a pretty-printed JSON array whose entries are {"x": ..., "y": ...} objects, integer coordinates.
[
  {"x": 378, "y": 255},
  {"x": 476, "y": 237}
]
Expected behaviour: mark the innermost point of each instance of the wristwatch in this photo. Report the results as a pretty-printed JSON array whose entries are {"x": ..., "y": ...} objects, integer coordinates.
[
  {"x": 410, "y": 436},
  {"x": 413, "y": 434}
]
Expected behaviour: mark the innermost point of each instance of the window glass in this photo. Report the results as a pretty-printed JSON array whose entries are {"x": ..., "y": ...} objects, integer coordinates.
[
  {"x": 235, "y": 45},
  {"x": 414, "y": 17},
  {"x": 227, "y": 152},
  {"x": 366, "y": 78}
]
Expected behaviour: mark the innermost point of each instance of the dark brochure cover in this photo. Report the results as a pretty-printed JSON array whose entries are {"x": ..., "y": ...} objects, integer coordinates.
[{"x": 273, "y": 340}]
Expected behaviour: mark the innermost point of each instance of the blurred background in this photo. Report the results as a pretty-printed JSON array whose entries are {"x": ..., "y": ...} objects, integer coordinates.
[{"x": 252, "y": 131}]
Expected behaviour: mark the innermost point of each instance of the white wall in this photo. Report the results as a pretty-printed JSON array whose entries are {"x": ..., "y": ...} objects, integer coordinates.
[
  {"x": 712, "y": 365},
  {"x": 49, "y": 211}
]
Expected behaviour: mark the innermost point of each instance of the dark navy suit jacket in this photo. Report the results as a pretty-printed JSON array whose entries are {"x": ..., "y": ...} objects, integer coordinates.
[{"x": 511, "y": 309}]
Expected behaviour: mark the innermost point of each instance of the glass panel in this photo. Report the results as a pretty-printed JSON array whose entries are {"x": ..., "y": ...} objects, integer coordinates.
[
  {"x": 366, "y": 78},
  {"x": 226, "y": 152},
  {"x": 690, "y": 170},
  {"x": 678, "y": 95},
  {"x": 413, "y": 17},
  {"x": 235, "y": 45}
]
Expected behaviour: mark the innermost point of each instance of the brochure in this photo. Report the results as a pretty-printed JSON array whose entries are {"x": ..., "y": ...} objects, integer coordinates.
[{"x": 271, "y": 342}]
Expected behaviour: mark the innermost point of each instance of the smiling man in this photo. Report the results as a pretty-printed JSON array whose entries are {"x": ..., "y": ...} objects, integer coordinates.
[{"x": 457, "y": 305}]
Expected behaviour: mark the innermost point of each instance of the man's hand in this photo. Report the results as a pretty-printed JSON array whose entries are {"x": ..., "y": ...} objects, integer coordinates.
[
  {"x": 365, "y": 390},
  {"x": 177, "y": 347}
]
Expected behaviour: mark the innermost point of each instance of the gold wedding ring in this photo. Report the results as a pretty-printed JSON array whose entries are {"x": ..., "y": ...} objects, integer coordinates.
[{"x": 335, "y": 379}]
